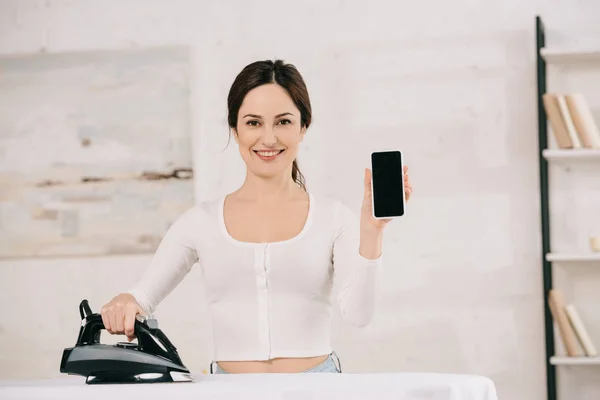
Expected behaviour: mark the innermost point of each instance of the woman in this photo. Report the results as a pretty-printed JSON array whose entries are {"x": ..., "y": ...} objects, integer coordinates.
[{"x": 270, "y": 251}]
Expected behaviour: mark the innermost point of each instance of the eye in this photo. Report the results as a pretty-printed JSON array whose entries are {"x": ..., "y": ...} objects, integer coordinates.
[
  {"x": 285, "y": 122},
  {"x": 252, "y": 122}
]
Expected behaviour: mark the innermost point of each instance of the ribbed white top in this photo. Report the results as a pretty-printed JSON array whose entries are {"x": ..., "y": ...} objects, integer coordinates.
[{"x": 268, "y": 300}]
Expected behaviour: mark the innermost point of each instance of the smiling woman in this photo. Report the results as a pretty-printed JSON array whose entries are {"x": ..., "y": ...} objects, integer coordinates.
[{"x": 270, "y": 251}]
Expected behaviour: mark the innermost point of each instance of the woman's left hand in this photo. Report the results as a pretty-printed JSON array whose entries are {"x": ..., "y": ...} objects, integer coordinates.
[{"x": 368, "y": 221}]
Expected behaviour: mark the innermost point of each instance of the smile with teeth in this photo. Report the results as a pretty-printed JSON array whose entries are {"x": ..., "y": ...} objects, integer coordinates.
[{"x": 267, "y": 154}]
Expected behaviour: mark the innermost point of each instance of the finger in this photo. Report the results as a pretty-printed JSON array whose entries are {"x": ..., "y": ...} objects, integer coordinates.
[
  {"x": 129, "y": 325},
  {"x": 105, "y": 320},
  {"x": 405, "y": 169},
  {"x": 367, "y": 180},
  {"x": 113, "y": 322},
  {"x": 120, "y": 322}
]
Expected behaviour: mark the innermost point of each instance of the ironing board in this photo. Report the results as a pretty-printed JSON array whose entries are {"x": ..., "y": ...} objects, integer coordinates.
[{"x": 347, "y": 386}]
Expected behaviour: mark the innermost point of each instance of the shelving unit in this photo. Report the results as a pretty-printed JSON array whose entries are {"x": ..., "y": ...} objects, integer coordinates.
[{"x": 557, "y": 56}]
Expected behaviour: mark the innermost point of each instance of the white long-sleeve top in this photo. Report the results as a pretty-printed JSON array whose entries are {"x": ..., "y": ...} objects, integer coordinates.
[{"x": 268, "y": 300}]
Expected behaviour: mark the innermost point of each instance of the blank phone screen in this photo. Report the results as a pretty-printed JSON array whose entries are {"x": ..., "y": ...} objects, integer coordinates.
[{"x": 388, "y": 184}]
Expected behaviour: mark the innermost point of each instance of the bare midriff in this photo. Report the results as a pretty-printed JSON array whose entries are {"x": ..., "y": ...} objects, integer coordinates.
[{"x": 280, "y": 365}]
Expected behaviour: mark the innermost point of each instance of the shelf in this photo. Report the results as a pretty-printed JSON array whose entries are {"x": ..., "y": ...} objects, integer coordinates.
[
  {"x": 570, "y": 55},
  {"x": 575, "y": 360},
  {"x": 571, "y": 154},
  {"x": 580, "y": 257}
]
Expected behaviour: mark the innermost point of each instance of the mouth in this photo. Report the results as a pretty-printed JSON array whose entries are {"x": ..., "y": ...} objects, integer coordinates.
[{"x": 268, "y": 155}]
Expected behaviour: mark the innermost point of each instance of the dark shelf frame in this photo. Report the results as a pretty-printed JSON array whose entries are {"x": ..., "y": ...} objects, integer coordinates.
[{"x": 540, "y": 42}]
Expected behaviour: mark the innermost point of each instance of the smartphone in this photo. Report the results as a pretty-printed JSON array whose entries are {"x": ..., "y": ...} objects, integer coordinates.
[{"x": 387, "y": 184}]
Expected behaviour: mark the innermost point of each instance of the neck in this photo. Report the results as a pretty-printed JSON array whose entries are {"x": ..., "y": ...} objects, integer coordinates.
[{"x": 258, "y": 188}]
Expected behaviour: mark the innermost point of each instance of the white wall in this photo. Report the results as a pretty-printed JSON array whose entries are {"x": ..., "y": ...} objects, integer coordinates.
[{"x": 450, "y": 83}]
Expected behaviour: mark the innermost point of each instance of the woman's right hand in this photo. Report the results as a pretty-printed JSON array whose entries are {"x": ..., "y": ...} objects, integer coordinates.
[{"x": 118, "y": 315}]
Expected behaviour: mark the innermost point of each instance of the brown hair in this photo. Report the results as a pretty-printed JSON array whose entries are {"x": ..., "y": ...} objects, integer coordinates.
[{"x": 285, "y": 75}]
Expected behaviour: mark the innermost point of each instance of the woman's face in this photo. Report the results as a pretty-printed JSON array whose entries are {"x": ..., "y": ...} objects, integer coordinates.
[{"x": 269, "y": 131}]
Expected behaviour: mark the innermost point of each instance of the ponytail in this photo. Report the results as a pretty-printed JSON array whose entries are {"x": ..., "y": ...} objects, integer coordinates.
[{"x": 297, "y": 175}]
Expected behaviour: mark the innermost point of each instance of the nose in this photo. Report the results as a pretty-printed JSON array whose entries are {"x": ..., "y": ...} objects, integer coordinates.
[{"x": 269, "y": 138}]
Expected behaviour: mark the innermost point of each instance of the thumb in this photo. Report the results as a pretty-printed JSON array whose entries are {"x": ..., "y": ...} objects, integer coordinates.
[
  {"x": 367, "y": 180},
  {"x": 141, "y": 311}
]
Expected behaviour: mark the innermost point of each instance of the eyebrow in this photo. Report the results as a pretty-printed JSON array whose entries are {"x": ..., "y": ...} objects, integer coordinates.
[{"x": 277, "y": 116}]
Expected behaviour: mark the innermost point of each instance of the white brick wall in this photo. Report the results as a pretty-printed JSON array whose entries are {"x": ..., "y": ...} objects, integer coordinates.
[{"x": 450, "y": 83}]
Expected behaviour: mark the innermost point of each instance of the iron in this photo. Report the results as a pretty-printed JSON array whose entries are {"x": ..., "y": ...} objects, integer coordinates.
[{"x": 152, "y": 359}]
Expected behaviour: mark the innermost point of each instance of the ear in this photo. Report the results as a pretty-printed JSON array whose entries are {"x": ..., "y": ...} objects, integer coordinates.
[
  {"x": 302, "y": 133},
  {"x": 235, "y": 135}
]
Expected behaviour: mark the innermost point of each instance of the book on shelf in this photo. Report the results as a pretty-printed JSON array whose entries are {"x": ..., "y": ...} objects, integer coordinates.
[
  {"x": 571, "y": 120},
  {"x": 572, "y": 331},
  {"x": 567, "y": 334},
  {"x": 580, "y": 331}
]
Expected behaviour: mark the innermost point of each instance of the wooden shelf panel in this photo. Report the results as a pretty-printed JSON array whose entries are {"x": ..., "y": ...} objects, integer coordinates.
[
  {"x": 566, "y": 55},
  {"x": 571, "y": 154},
  {"x": 558, "y": 360},
  {"x": 577, "y": 257}
]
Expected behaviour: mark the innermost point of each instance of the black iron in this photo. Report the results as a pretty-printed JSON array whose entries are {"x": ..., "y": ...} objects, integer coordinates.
[
  {"x": 540, "y": 41},
  {"x": 152, "y": 359}
]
